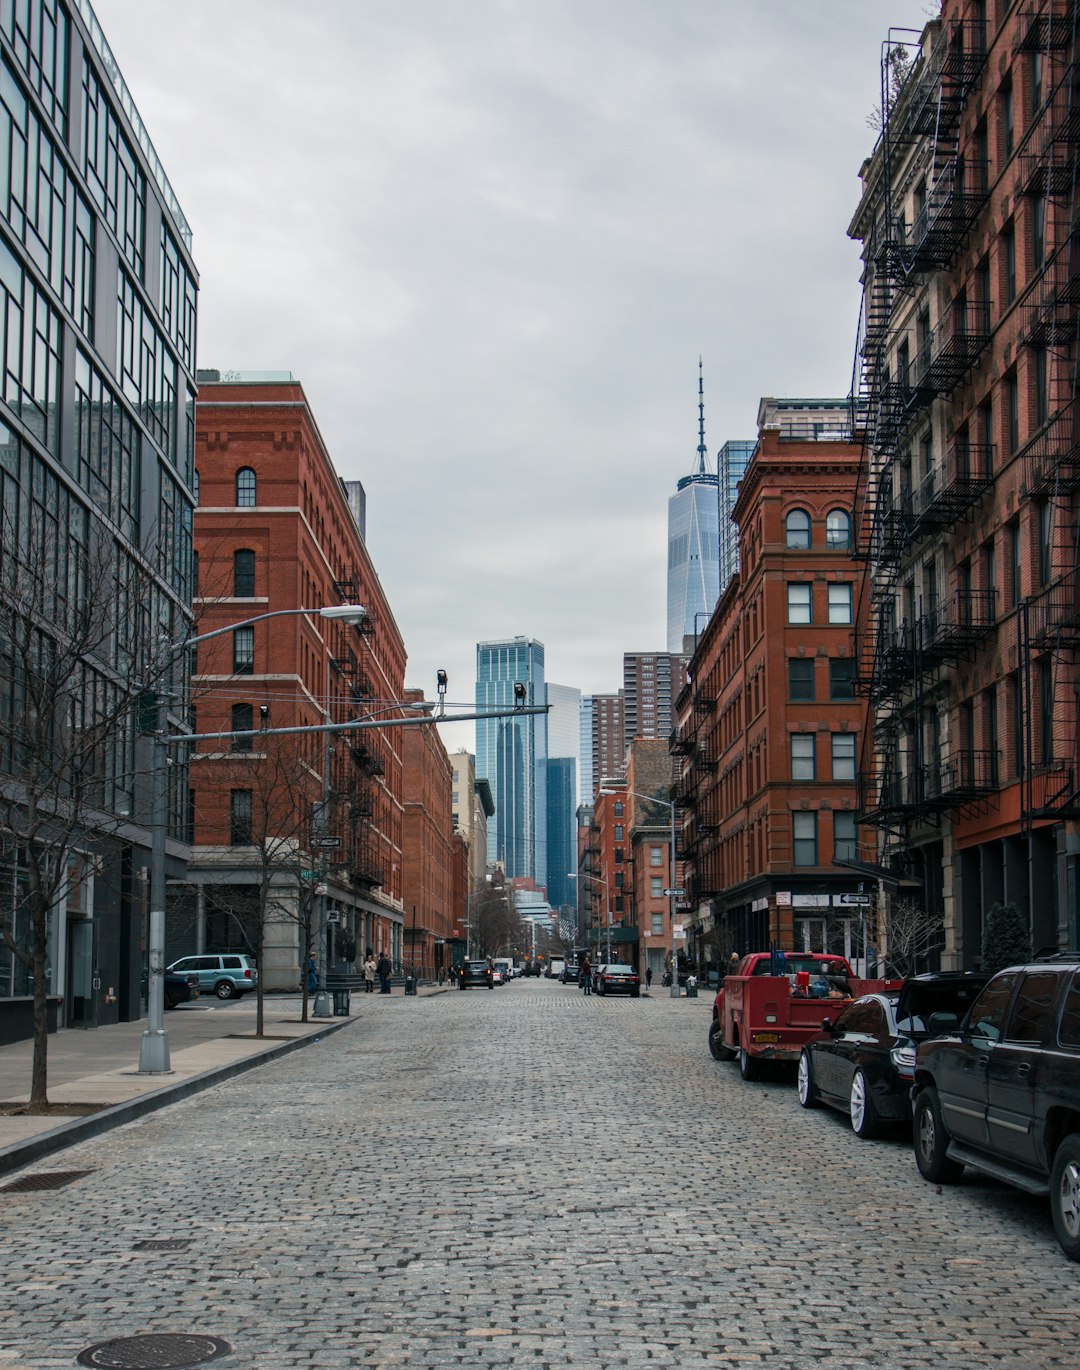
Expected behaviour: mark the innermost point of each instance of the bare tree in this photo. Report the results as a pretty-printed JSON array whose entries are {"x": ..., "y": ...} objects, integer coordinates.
[
  {"x": 909, "y": 937},
  {"x": 498, "y": 924}
]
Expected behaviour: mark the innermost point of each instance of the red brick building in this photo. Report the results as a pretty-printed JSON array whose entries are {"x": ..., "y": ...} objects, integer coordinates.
[
  {"x": 649, "y": 772},
  {"x": 768, "y": 725},
  {"x": 275, "y": 530},
  {"x": 428, "y": 847}
]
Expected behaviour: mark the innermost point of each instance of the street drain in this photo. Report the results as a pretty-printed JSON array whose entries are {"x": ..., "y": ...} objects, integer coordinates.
[
  {"x": 163, "y": 1244},
  {"x": 160, "y": 1351},
  {"x": 46, "y": 1179}
]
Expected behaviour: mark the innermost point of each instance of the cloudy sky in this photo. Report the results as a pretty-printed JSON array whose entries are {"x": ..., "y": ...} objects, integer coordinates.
[{"x": 491, "y": 238}]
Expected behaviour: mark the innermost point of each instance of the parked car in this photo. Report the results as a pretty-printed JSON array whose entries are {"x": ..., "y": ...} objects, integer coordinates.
[
  {"x": 498, "y": 977},
  {"x": 180, "y": 989},
  {"x": 1000, "y": 1091},
  {"x": 863, "y": 1063},
  {"x": 228, "y": 975},
  {"x": 571, "y": 973},
  {"x": 475, "y": 975},
  {"x": 615, "y": 979}
]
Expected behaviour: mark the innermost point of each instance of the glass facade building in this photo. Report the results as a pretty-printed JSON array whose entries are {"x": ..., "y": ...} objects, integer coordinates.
[
  {"x": 511, "y": 754},
  {"x": 98, "y": 290},
  {"x": 693, "y": 576},
  {"x": 561, "y": 830},
  {"x": 731, "y": 464}
]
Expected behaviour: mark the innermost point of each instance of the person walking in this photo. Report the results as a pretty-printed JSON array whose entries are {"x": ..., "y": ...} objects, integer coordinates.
[
  {"x": 648, "y": 977},
  {"x": 586, "y": 976},
  {"x": 384, "y": 969},
  {"x": 369, "y": 973}
]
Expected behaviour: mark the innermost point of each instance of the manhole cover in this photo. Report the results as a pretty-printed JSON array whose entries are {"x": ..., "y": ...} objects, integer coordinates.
[
  {"x": 163, "y": 1244},
  {"x": 47, "y": 1179},
  {"x": 160, "y": 1351}
]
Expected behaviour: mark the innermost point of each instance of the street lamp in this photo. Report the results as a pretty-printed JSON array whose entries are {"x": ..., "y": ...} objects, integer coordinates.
[
  {"x": 671, "y": 892},
  {"x": 154, "y": 1045},
  {"x": 598, "y": 880}
]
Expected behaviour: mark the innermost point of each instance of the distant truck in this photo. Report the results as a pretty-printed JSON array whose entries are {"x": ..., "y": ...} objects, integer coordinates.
[
  {"x": 770, "y": 1007},
  {"x": 506, "y": 965},
  {"x": 555, "y": 968}
]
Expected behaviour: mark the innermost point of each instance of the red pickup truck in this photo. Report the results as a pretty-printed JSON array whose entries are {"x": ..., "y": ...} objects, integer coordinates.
[{"x": 761, "y": 1016}]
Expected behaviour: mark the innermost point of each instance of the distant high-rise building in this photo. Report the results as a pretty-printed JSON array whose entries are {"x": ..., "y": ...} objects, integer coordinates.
[
  {"x": 511, "y": 754},
  {"x": 731, "y": 463},
  {"x": 693, "y": 577},
  {"x": 651, "y": 681},
  {"x": 585, "y": 750},
  {"x": 605, "y": 746},
  {"x": 564, "y": 748}
]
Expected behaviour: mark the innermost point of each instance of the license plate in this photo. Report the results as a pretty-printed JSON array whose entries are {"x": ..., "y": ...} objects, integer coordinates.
[{"x": 766, "y": 1037}]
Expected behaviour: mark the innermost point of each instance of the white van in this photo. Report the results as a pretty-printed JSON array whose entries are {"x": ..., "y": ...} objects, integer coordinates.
[
  {"x": 505, "y": 964},
  {"x": 555, "y": 968}
]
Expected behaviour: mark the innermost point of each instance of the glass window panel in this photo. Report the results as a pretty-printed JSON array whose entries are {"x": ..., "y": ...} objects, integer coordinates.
[{"x": 800, "y": 603}]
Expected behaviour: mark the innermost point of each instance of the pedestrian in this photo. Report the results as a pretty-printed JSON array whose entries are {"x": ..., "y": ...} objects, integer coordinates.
[
  {"x": 384, "y": 970},
  {"x": 648, "y": 977},
  {"x": 312, "y": 975},
  {"x": 586, "y": 976},
  {"x": 369, "y": 973}
]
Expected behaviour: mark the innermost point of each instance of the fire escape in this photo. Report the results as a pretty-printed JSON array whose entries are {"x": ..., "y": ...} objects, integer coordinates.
[
  {"x": 696, "y": 798},
  {"x": 906, "y": 773},
  {"x": 1050, "y": 314}
]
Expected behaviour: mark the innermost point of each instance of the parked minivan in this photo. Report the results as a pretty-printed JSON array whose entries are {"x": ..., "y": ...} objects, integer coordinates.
[{"x": 228, "y": 975}]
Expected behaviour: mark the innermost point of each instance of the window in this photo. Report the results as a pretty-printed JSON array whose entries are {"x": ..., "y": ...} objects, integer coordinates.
[
  {"x": 804, "y": 838},
  {"x": 1012, "y": 412},
  {"x": 1008, "y": 262},
  {"x": 244, "y": 651},
  {"x": 989, "y": 576},
  {"x": 618, "y": 832},
  {"x": 800, "y": 678},
  {"x": 1044, "y": 515},
  {"x": 1016, "y": 712},
  {"x": 656, "y": 887},
  {"x": 242, "y": 722},
  {"x": 797, "y": 526},
  {"x": 987, "y": 1014},
  {"x": 842, "y": 678},
  {"x": 244, "y": 574},
  {"x": 240, "y": 818},
  {"x": 618, "y": 880},
  {"x": 1045, "y": 685},
  {"x": 619, "y": 809},
  {"x": 845, "y": 837},
  {"x": 656, "y": 856},
  {"x": 840, "y": 603},
  {"x": 1069, "y": 1031},
  {"x": 803, "y": 756},
  {"x": 618, "y": 856},
  {"x": 1012, "y": 550},
  {"x": 800, "y": 607},
  {"x": 1008, "y": 121},
  {"x": 1040, "y": 374},
  {"x": 1038, "y": 231},
  {"x": 657, "y": 928},
  {"x": 843, "y": 756},
  {"x": 838, "y": 530},
  {"x": 1036, "y": 82},
  {"x": 245, "y": 488},
  {"x": 195, "y": 485}
]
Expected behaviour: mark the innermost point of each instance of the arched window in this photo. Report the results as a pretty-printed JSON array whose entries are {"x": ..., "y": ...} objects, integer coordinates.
[
  {"x": 838, "y": 529},
  {"x": 242, "y": 722},
  {"x": 244, "y": 574},
  {"x": 797, "y": 525},
  {"x": 245, "y": 488}
]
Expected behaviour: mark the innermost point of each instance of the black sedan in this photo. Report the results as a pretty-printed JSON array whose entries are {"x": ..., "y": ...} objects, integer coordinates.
[
  {"x": 618, "y": 980},
  {"x": 863, "y": 1063},
  {"x": 475, "y": 975},
  {"x": 180, "y": 989}
]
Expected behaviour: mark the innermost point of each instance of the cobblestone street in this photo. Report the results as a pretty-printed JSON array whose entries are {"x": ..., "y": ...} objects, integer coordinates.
[{"x": 527, "y": 1177}]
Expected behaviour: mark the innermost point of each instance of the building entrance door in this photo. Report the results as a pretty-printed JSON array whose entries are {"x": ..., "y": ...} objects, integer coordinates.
[{"x": 79, "y": 990}]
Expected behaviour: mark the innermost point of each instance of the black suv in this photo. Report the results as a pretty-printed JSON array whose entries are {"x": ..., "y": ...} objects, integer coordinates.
[
  {"x": 475, "y": 973},
  {"x": 1001, "y": 1091}
]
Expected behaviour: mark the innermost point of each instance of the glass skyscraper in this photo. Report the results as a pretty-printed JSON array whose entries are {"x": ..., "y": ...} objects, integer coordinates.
[
  {"x": 511, "y": 754},
  {"x": 693, "y": 576}
]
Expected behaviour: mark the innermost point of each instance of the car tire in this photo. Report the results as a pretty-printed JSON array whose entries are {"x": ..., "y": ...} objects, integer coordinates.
[
  {"x": 1065, "y": 1195},
  {"x": 225, "y": 989},
  {"x": 171, "y": 1001},
  {"x": 930, "y": 1138},
  {"x": 861, "y": 1109},
  {"x": 808, "y": 1095},
  {"x": 749, "y": 1066},
  {"x": 635, "y": 994},
  {"x": 718, "y": 1048}
]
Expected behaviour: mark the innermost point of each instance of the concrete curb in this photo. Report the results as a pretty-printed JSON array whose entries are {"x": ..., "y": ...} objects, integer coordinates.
[{"x": 83, "y": 1129}]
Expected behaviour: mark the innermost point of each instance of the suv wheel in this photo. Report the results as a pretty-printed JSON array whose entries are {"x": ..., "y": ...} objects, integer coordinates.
[
  {"x": 225, "y": 989},
  {"x": 1065, "y": 1195},
  {"x": 931, "y": 1140}
]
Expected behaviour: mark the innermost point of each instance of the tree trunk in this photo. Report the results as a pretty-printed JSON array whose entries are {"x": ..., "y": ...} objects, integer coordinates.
[{"x": 39, "y": 1099}]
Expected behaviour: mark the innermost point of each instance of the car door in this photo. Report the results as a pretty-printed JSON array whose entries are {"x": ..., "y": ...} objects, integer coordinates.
[
  {"x": 206, "y": 968},
  {"x": 961, "y": 1065},
  {"x": 864, "y": 1026},
  {"x": 1014, "y": 1067}
]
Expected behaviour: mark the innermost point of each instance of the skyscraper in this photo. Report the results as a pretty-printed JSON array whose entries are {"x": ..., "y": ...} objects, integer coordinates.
[
  {"x": 693, "y": 584},
  {"x": 564, "y": 748},
  {"x": 651, "y": 681},
  {"x": 511, "y": 754},
  {"x": 731, "y": 463}
]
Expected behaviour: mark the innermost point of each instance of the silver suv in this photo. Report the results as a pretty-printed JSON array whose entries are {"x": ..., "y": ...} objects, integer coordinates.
[{"x": 228, "y": 975}]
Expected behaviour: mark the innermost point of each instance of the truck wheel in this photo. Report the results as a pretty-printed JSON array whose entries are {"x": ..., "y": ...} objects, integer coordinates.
[
  {"x": 864, "y": 1118},
  {"x": 718, "y": 1048},
  {"x": 749, "y": 1066},
  {"x": 808, "y": 1095},
  {"x": 931, "y": 1140},
  {"x": 1065, "y": 1195}
]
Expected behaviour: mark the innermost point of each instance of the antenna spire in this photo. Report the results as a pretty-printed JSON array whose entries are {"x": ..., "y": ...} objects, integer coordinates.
[{"x": 702, "y": 450}]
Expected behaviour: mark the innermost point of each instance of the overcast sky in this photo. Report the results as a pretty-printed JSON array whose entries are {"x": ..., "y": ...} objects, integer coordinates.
[{"x": 491, "y": 238}]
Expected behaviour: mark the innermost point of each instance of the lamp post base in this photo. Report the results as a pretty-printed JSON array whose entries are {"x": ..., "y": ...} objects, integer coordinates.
[
  {"x": 675, "y": 991},
  {"x": 154, "y": 1053},
  {"x": 321, "y": 1007}
]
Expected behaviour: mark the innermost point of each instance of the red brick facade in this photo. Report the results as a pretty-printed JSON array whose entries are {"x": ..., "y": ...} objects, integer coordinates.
[{"x": 428, "y": 847}]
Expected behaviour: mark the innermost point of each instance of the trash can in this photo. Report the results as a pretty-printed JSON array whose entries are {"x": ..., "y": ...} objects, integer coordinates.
[
  {"x": 341, "y": 1003},
  {"x": 691, "y": 989},
  {"x": 410, "y": 984}
]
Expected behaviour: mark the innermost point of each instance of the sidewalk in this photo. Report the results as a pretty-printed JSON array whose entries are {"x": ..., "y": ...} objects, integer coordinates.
[{"x": 209, "y": 1042}]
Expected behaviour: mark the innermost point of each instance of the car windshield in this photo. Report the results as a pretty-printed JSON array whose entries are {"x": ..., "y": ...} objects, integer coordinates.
[{"x": 618, "y": 970}]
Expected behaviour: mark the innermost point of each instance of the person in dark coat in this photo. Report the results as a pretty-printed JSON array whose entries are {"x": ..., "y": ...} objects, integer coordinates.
[{"x": 384, "y": 971}]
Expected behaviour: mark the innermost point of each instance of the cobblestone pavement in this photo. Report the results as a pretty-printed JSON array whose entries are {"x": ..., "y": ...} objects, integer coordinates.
[{"x": 528, "y": 1178}]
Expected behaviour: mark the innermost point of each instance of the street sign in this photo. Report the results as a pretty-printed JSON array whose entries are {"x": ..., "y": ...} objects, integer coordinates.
[
  {"x": 334, "y": 916},
  {"x": 326, "y": 843},
  {"x": 854, "y": 899},
  {"x": 321, "y": 889},
  {"x": 677, "y": 894}
]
